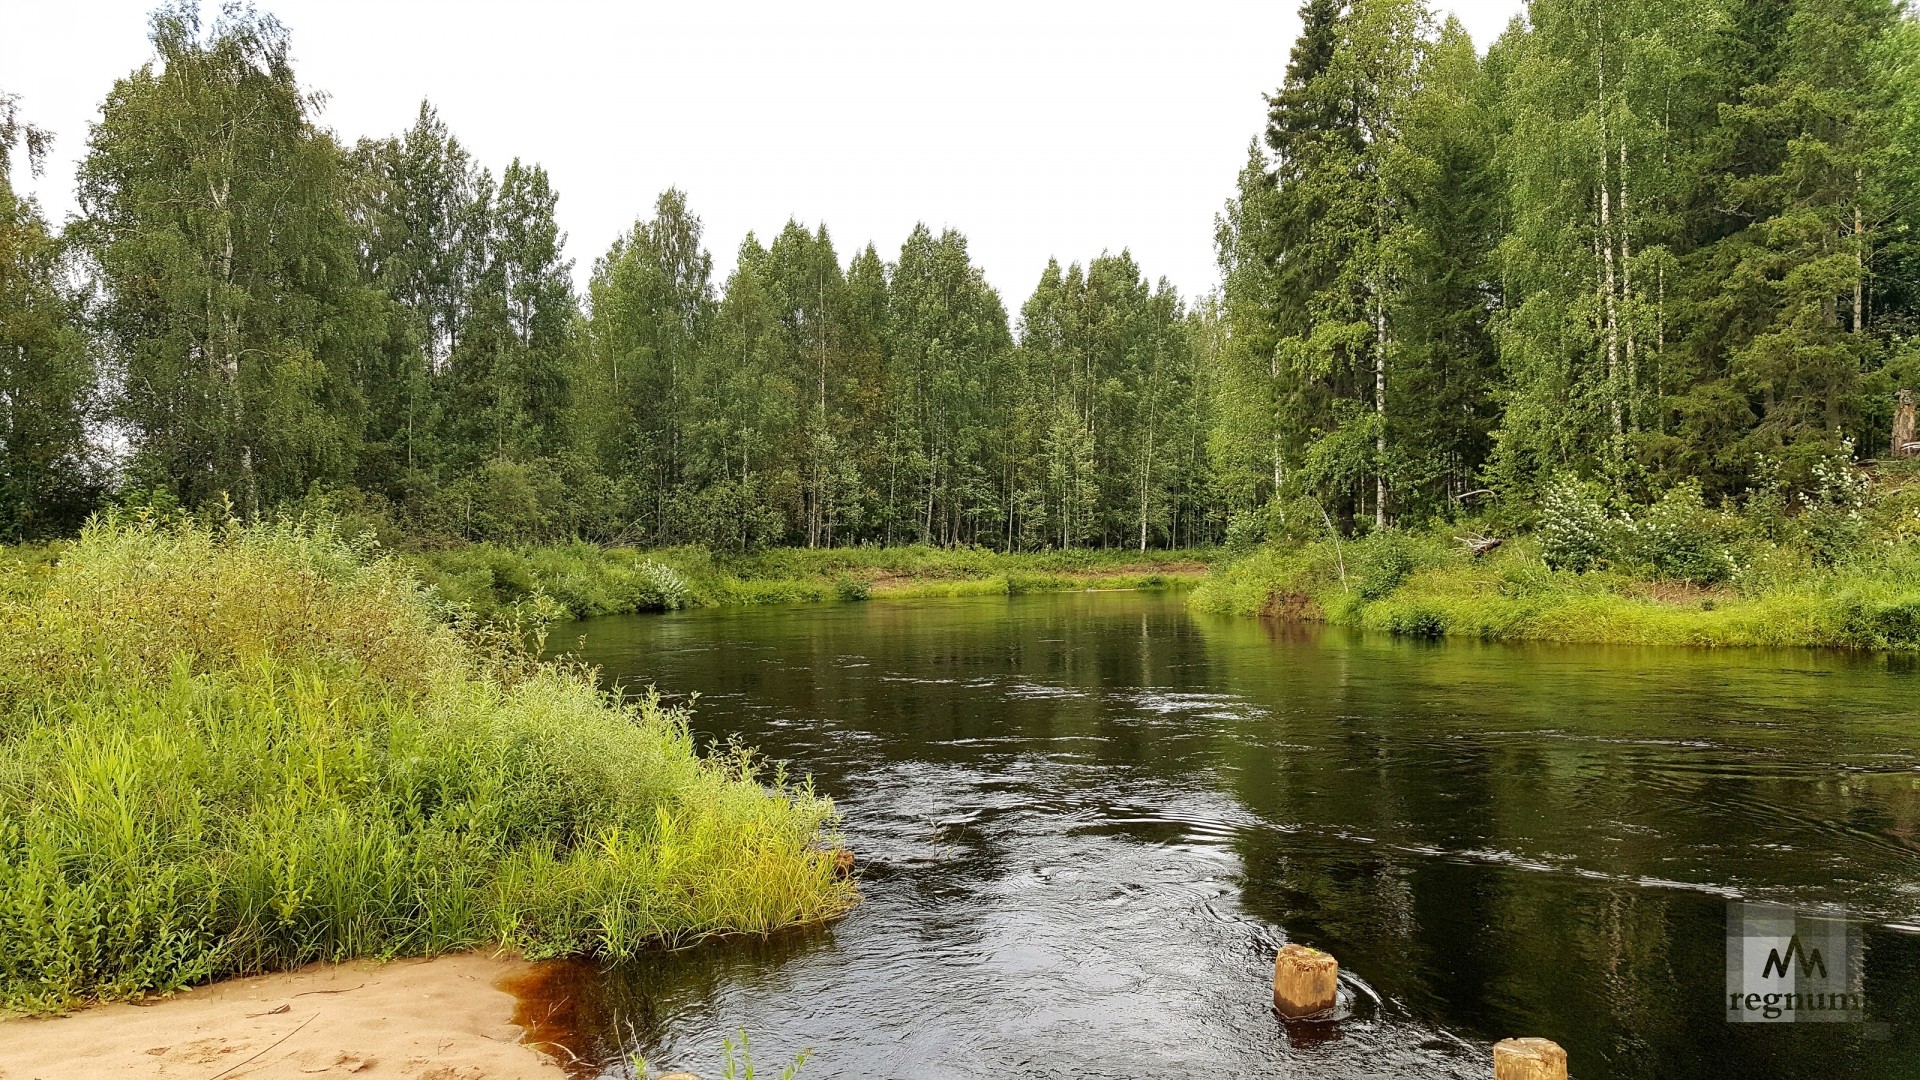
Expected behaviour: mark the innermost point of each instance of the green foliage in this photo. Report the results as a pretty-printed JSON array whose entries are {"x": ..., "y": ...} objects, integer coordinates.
[
  {"x": 236, "y": 750},
  {"x": 1675, "y": 538},
  {"x": 1635, "y": 242},
  {"x": 1678, "y": 539},
  {"x": 49, "y": 477},
  {"x": 1662, "y": 222},
  {"x": 659, "y": 587},
  {"x": 741, "y": 1068},
  {"x": 1834, "y": 517},
  {"x": 582, "y": 580},
  {"x": 1417, "y": 621},
  {"x": 1380, "y": 564},
  {"x": 1575, "y": 533},
  {"x": 1104, "y": 443},
  {"x": 1246, "y": 528},
  {"x": 848, "y": 587},
  {"x": 1670, "y": 572},
  {"x": 215, "y": 219}
]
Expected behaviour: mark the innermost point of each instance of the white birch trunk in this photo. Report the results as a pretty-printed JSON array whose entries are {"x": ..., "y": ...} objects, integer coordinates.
[
  {"x": 1626, "y": 295},
  {"x": 1604, "y": 242},
  {"x": 1380, "y": 406}
]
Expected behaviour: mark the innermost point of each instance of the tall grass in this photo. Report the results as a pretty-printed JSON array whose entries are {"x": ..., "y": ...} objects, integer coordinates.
[
  {"x": 584, "y": 580},
  {"x": 1428, "y": 585},
  {"x": 233, "y": 750}
]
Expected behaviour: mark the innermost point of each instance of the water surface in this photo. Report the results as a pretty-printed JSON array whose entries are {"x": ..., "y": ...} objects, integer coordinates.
[{"x": 1086, "y": 821}]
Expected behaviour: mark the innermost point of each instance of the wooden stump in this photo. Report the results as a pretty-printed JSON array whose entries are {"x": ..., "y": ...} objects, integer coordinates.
[
  {"x": 1903, "y": 425},
  {"x": 1529, "y": 1059},
  {"x": 1305, "y": 981}
]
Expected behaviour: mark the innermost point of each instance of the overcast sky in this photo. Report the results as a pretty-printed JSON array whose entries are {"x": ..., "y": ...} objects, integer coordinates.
[{"x": 1036, "y": 128}]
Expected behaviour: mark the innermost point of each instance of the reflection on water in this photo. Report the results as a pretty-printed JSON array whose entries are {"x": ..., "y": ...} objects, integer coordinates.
[{"x": 1087, "y": 822}]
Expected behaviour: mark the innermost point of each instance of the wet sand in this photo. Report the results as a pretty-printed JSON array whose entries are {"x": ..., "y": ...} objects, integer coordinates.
[{"x": 447, "y": 1018}]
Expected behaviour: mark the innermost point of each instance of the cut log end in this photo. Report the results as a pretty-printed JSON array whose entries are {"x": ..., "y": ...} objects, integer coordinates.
[
  {"x": 1529, "y": 1059},
  {"x": 1306, "y": 981}
]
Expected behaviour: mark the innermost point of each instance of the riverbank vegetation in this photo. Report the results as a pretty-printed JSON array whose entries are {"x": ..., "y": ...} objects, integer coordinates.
[
  {"x": 1838, "y": 565},
  {"x": 240, "y": 749},
  {"x": 582, "y": 580}
]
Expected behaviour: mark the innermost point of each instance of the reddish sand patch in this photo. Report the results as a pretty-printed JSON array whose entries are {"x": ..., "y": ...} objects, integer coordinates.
[{"x": 1292, "y": 606}]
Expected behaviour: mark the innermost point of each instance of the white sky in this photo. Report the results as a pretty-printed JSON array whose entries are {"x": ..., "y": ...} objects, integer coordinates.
[{"x": 1049, "y": 127}]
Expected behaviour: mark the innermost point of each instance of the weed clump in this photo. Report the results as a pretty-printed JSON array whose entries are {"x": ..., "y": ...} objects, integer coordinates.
[{"x": 238, "y": 749}]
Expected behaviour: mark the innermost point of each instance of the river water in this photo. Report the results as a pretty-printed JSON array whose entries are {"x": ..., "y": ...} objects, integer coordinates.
[{"x": 1086, "y": 822}]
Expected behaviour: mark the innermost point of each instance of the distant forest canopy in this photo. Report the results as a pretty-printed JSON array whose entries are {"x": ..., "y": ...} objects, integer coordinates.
[{"x": 1651, "y": 244}]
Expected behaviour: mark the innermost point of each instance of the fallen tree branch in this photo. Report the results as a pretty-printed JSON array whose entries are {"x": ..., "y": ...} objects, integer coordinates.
[{"x": 1480, "y": 545}]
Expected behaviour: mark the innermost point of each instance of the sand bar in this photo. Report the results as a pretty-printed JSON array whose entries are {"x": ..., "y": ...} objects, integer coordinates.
[{"x": 442, "y": 1019}]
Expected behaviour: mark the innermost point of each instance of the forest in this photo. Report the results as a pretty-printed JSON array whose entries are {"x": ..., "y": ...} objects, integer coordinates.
[{"x": 1648, "y": 247}]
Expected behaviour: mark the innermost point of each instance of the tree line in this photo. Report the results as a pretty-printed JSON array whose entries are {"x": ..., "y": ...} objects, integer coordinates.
[{"x": 1651, "y": 244}]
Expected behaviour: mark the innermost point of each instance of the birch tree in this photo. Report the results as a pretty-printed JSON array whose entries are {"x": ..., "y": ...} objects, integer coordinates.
[{"x": 215, "y": 215}]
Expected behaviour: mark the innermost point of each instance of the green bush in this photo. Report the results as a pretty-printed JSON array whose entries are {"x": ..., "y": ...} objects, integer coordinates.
[
  {"x": 848, "y": 587},
  {"x": 1574, "y": 531},
  {"x": 1763, "y": 513},
  {"x": 1678, "y": 539},
  {"x": 1422, "y": 622},
  {"x": 656, "y": 586},
  {"x": 1842, "y": 572},
  {"x": 1380, "y": 564},
  {"x": 1266, "y": 523},
  {"x": 1834, "y": 519},
  {"x": 233, "y": 750}
]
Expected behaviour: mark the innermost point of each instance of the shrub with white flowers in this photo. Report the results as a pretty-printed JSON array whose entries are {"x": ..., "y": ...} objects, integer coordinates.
[
  {"x": 658, "y": 587},
  {"x": 1574, "y": 530},
  {"x": 1678, "y": 538},
  {"x": 1833, "y": 516}
]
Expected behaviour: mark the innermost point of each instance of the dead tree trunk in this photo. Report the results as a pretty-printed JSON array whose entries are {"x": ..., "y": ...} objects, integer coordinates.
[{"x": 1903, "y": 427}]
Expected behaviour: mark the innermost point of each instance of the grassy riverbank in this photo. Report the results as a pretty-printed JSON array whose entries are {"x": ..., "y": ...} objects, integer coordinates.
[
  {"x": 582, "y": 580},
  {"x": 1429, "y": 585},
  {"x": 237, "y": 750}
]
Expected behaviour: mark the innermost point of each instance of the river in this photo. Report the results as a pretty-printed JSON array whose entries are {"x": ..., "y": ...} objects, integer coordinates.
[{"x": 1086, "y": 821}]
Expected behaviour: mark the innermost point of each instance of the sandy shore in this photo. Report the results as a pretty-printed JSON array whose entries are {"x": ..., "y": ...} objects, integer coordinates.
[{"x": 441, "y": 1019}]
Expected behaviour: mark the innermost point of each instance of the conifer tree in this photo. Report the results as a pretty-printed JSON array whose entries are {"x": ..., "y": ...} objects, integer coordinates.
[{"x": 1796, "y": 195}]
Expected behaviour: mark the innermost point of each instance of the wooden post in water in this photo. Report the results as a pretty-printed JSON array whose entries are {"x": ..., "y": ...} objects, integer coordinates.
[
  {"x": 1529, "y": 1059},
  {"x": 1305, "y": 981}
]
